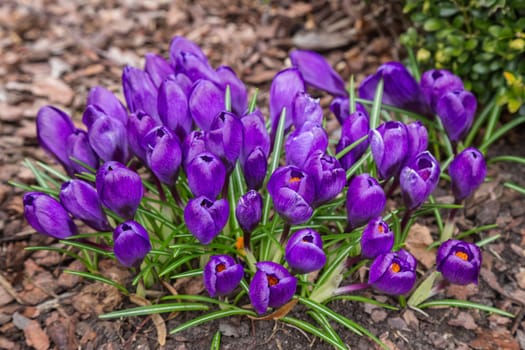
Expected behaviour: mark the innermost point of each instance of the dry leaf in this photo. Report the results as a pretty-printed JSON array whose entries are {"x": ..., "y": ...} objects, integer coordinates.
[
  {"x": 417, "y": 242},
  {"x": 158, "y": 321},
  {"x": 279, "y": 313}
]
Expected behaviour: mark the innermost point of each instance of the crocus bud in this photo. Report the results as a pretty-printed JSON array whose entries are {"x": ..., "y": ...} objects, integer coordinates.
[
  {"x": 81, "y": 200},
  {"x": 255, "y": 149},
  {"x": 271, "y": 286},
  {"x": 436, "y": 83},
  {"x": 417, "y": 139},
  {"x": 184, "y": 83},
  {"x": 459, "y": 262},
  {"x": 139, "y": 125},
  {"x": 354, "y": 127},
  {"x": 163, "y": 154},
  {"x": 78, "y": 147},
  {"x": 53, "y": 128},
  {"x": 238, "y": 94},
  {"x": 157, "y": 68},
  {"x": 181, "y": 44},
  {"x": 47, "y": 216},
  {"x": 193, "y": 145},
  {"x": 400, "y": 89},
  {"x": 365, "y": 200},
  {"x": 194, "y": 68},
  {"x": 419, "y": 179},
  {"x": 249, "y": 210},
  {"x": 303, "y": 142},
  {"x": 285, "y": 86},
  {"x": 105, "y": 101},
  {"x": 225, "y": 138},
  {"x": 206, "y": 218},
  {"x": 109, "y": 139},
  {"x": 205, "y": 102},
  {"x": 304, "y": 251},
  {"x": 317, "y": 72},
  {"x": 340, "y": 107},
  {"x": 131, "y": 243},
  {"x": 206, "y": 175},
  {"x": 306, "y": 108},
  {"x": 456, "y": 109},
  {"x": 292, "y": 192},
  {"x": 389, "y": 146},
  {"x": 222, "y": 275},
  {"x": 254, "y": 168},
  {"x": 173, "y": 108},
  {"x": 119, "y": 188},
  {"x": 393, "y": 273},
  {"x": 467, "y": 172},
  {"x": 140, "y": 92},
  {"x": 377, "y": 238},
  {"x": 328, "y": 176}
]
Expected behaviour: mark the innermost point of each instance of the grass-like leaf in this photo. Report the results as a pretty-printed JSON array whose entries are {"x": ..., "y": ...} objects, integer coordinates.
[
  {"x": 307, "y": 327},
  {"x": 210, "y": 317},
  {"x": 515, "y": 187},
  {"x": 363, "y": 299},
  {"x": 376, "y": 106},
  {"x": 99, "y": 279},
  {"x": 216, "y": 341},
  {"x": 154, "y": 309},
  {"x": 464, "y": 304}
]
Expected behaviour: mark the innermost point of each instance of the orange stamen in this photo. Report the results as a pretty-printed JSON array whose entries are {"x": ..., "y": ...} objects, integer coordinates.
[
  {"x": 461, "y": 255},
  {"x": 395, "y": 267},
  {"x": 239, "y": 243},
  {"x": 272, "y": 280},
  {"x": 221, "y": 267},
  {"x": 294, "y": 180},
  {"x": 380, "y": 228}
]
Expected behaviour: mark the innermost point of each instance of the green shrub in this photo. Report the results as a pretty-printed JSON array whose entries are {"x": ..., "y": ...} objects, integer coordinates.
[{"x": 482, "y": 41}]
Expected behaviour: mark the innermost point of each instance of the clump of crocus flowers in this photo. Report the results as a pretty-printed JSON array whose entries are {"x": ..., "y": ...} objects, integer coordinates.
[{"x": 188, "y": 131}]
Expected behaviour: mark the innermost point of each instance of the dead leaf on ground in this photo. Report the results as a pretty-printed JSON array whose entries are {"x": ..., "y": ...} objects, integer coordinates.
[
  {"x": 495, "y": 339},
  {"x": 417, "y": 243},
  {"x": 279, "y": 313},
  {"x": 158, "y": 321}
]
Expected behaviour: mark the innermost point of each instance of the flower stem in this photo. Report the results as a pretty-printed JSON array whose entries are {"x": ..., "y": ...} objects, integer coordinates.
[
  {"x": 350, "y": 288},
  {"x": 286, "y": 232}
]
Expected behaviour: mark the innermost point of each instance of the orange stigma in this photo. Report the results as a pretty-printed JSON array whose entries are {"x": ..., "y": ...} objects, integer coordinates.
[
  {"x": 395, "y": 267},
  {"x": 294, "y": 179},
  {"x": 272, "y": 280},
  {"x": 461, "y": 255},
  {"x": 221, "y": 267},
  {"x": 239, "y": 243},
  {"x": 380, "y": 228}
]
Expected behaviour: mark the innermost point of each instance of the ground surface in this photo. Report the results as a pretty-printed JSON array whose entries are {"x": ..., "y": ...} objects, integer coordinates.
[{"x": 52, "y": 52}]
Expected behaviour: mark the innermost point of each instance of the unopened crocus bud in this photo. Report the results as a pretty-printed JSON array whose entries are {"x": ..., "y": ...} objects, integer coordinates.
[
  {"x": 181, "y": 44},
  {"x": 305, "y": 108},
  {"x": 109, "y": 139},
  {"x": 456, "y": 109},
  {"x": 139, "y": 125},
  {"x": 163, "y": 154},
  {"x": 377, "y": 238},
  {"x": 255, "y": 149},
  {"x": 303, "y": 142},
  {"x": 340, "y": 107},
  {"x": 184, "y": 83},
  {"x": 194, "y": 68},
  {"x": 157, "y": 68},
  {"x": 304, "y": 251},
  {"x": 47, "y": 216},
  {"x": 205, "y": 102},
  {"x": 238, "y": 93},
  {"x": 249, "y": 210},
  {"x": 140, "y": 92},
  {"x": 459, "y": 262},
  {"x": 271, "y": 286},
  {"x": 78, "y": 147},
  {"x": 292, "y": 192},
  {"x": 81, "y": 200},
  {"x": 53, "y": 128},
  {"x": 254, "y": 168},
  {"x": 389, "y": 146},
  {"x": 222, "y": 275},
  {"x": 205, "y": 218},
  {"x": 285, "y": 86},
  {"x": 105, "y": 101},
  {"x": 206, "y": 175},
  {"x": 354, "y": 127},
  {"x": 436, "y": 83},
  {"x": 317, "y": 72},
  {"x": 119, "y": 188},
  {"x": 328, "y": 176},
  {"x": 173, "y": 108},
  {"x": 225, "y": 138},
  {"x": 365, "y": 200},
  {"x": 419, "y": 179},
  {"x": 417, "y": 139},
  {"x": 130, "y": 243},
  {"x": 467, "y": 172},
  {"x": 193, "y": 145},
  {"x": 393, "y": 273}
]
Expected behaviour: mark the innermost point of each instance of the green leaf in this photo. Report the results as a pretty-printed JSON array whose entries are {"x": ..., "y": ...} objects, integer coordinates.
[
  {"x": 433, "y": 24},
  {"x": 99, "y": 279},
  {"x": 376, "y": 106},
  {"x": 154, "y": 309},
  {"x": 210, "y": 317},
  {"x": 464, "y": 304},
  {"x": 216, "y": 341},
  {"x": 307, "y": 327},
  {"x": 423, "y": 291}
]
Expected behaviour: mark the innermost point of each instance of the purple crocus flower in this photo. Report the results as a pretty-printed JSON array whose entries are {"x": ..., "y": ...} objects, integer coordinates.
[
  {"x": 47, "y": 216},
  {"x": 78, "y": 147},
  {"x": 225, "y": 138},
  {"x": 206, "y": 175},
  {"x": 105, "y": 101},
  {"x": 303, "y": 142},
  {"x": 119, "y": 188},
  {"x": 238, "y": 93},
  {"x": 206, "y": 101},
  {"x": 53, "y": 128},
  {"x": 354, "y": 127},
  {"x": 194, "y": 68},
  {"x": 389, "y": 146},
  {"x": 285, "y": 86},
  {"x": 393, "y": 273},
  {"x": 193, "y": 145},
  {"x": 340, "y": 107},
  {"x": 249, "y": 210},
  {"x": 365, "y": 200},
  {"x": 317, "y": 72},
  {"x": 419, "y": 179},
  {"x": 157, "y": 68},
  {"x": 180, "y": 44},
  {"x": 131, "y": 243},
  {"x": 377, "y": 238},
  {"x": 305, "y": 108},
  {"x": 81, "y": 199},
  {"x": 222, "y": 275},
  {"x": 254, "y": 168},
  {"x": 436, "y": 83},
  {"x": 184, "y": 83},
  {"x": 328, "y": 176},
  {"x": 140, "y": 92},
  {"x": 255, "y": 149},
  {"x": 467, "y": 172},
  {"x": 292, "y": 192},
  {"x": 304, "y": 251},
  {"x": 459, "y": 262},
  {"x": 173, "y": 108},
  {"x": 456, "y": 109},
  {"x": 163, "y": 154},
  {"x": 206, "y": 218},
  {"x": 109, "y": 139},
  {"x": 139, "y": 125},
  {"x": 271, "y": 286},
  {"x": 417, "y": 139}
]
